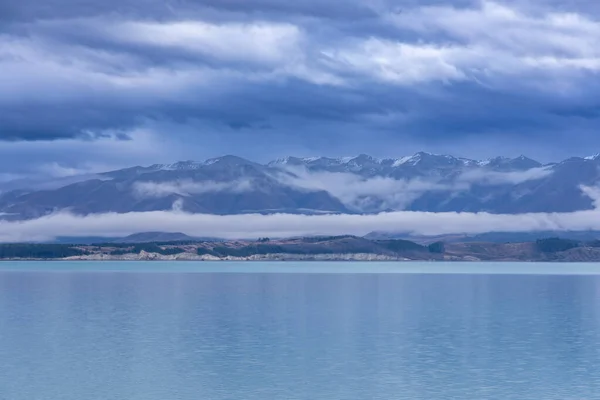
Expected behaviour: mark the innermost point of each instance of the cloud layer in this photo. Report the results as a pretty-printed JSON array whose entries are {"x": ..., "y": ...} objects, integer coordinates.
[
  {"x": 188, "y": 187},
  {"x": 484, "y": 177},
  {"x": 215, "y": 77},
  {"x": 359, "y": 193},
  {"x": 286, "y": 225},
  {"x": 379, "y": 193}
]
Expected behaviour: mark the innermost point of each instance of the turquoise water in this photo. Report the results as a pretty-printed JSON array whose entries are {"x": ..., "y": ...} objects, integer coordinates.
[{"x": 169, "y": 331}]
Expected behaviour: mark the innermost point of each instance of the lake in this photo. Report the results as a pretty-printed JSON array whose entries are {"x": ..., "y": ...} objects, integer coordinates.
[{"x": 258, "y": 331}]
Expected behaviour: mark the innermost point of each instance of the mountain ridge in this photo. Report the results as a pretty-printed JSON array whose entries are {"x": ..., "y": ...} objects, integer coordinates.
[{"x": 319, "y": 185}]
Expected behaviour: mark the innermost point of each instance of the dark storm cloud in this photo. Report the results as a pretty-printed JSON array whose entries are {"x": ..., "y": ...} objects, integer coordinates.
[
  {"x": 306, "y": 70},
  {"x": 26, "y": 10},
  {"x": 32, "y": 10}
]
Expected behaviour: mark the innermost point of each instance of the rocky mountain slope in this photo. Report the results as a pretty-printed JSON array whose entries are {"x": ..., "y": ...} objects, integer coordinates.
[{"x": 362, "y": 184}]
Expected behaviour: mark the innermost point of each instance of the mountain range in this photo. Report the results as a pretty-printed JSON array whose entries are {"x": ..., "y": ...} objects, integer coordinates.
[{"x": 317, "y": 185}]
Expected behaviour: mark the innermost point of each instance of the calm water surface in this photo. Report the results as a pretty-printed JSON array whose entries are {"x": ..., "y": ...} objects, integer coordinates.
[{"x": 160, "y": 331}]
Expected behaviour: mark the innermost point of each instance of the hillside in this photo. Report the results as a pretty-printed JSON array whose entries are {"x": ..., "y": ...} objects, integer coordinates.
[
  {"x": 319, "y": 185},
  {"x": 313, "y": 248}
]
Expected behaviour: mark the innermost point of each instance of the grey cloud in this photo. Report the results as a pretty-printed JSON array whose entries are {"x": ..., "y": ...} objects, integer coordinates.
[
  {"x": 188, "y": 187},
  {"x": 27, "y": 10},
  {"x": 309, "y": 70},
  {"x": 31, "y": 10},
  {"x": 47, "y": 160},
  {"x": 342, "y": 9}
]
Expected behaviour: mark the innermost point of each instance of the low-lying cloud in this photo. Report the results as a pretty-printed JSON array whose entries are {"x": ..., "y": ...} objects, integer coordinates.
[
  {"x": 362, "y": 194},
  {"x": 286, "y": 225},
  {"x": 486, "y": 177},
  {"x": 379, "y": 193},
  {"x": 188, "y": 187}
]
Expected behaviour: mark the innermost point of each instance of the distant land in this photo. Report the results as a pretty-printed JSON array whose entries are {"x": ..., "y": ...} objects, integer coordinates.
[{"x": 331, "y": 248}]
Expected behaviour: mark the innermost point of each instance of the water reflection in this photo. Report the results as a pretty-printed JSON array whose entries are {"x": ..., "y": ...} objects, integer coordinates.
[{"x": 298, "y": 336}]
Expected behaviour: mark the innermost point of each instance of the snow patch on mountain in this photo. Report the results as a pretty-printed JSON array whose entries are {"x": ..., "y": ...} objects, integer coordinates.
[{"x": 400, "y": 161}]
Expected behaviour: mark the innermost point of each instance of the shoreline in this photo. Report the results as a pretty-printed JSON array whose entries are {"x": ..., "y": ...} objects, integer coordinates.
[
  {"x": 277, "y": 259},
  {"x": 338, "y": 249}
]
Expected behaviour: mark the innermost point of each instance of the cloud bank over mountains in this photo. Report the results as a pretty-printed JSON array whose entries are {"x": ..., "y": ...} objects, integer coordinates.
[
  {"x": 355, "y": 190},
  {"x": 188, "y": 187},
  {"x": 254, "y": 226}
]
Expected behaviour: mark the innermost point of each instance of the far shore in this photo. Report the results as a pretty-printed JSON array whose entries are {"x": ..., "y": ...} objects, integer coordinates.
[{"x": 331, "y": 248}]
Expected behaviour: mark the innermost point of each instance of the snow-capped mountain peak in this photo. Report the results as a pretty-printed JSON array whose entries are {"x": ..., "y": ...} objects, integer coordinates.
[
  {"x": 227, "y": 160},
  {"x": 352, "y": 161},
  {"x": 432, "y": 160}
]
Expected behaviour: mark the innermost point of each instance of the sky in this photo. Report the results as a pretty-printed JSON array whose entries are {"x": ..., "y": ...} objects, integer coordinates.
[{"x": 88, "y": 85}]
